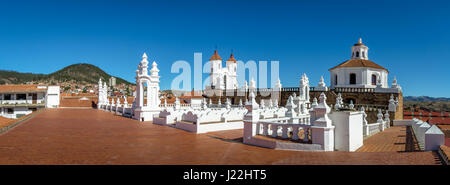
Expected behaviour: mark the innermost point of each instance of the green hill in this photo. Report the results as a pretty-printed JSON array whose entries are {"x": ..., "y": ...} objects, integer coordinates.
[{"x": 79, "y": 73}]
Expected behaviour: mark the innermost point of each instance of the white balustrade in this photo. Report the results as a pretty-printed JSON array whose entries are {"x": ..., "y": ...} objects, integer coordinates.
[{"x": 284, "y": 129}]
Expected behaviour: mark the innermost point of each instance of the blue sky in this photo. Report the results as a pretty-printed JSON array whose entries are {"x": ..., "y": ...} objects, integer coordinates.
[{"x": 409, "y": 38}]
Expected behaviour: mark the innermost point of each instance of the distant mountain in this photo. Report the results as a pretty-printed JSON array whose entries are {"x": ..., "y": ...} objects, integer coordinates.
[
  {"x": 13, "y": 77},
  {"x": 77, "y": 73},
  {"x": 426, "y": 98}
]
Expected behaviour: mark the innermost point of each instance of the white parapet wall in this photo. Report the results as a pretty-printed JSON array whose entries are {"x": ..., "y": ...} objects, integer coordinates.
[
  {"x": 429, "y": 137},
  {"x": 209, "y": 127},
  {"x": 348, "y": 133},
  {"x": 403, "y": 122},
  {"x": 52, "y": 97},
  {"x": 434, "y": 138}
]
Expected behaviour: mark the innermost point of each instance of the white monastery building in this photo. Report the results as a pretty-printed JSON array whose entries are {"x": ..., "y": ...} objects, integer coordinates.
[
  {"x": 223, "y": 77},
  {"x": 19, "y": 100}
]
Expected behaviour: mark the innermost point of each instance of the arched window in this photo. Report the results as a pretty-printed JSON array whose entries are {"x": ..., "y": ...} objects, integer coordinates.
[
  {"x": 364, "y": 54},
  {"x": 336, "y": 80},
  {"x": 374, "y": 79},
  {"x": 352, "y": 78},
  {"x": 357, "y": 54},
  {"x": 225, "y": 81}
]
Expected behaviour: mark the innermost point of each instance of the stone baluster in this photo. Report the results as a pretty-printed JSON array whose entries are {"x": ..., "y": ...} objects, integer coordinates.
[
  {"x": 387, "y": 120},
  {"x": 265, "y": 129},
  {"x": 305, "y": 133},
  {"x": 284, "y": 131},
  {"x": 295, "y": 132},
  {"x": 380, "y": 120},
  {"x": 274, "y": 128}
]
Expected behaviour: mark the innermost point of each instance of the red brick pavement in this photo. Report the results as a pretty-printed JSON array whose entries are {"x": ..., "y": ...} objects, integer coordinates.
[
  {"x": 89, "y": 136},
  {"x": 392, "y": 139}
]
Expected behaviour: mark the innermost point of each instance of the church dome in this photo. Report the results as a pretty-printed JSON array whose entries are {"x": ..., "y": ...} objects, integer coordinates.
[{"x": 215, "y": 56}]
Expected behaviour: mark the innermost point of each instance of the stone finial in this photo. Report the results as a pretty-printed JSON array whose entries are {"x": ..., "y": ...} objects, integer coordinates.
[
  {"x": 245, "y": 86},
  {"x": 276, "y": 103},
  {"x": 339, "y": 102},
  {"x": 323, "y": 101},
  {"x": 112, "y": 101},
  {"x": 252, "y": 84},
  {"x": 251, "y": 104},
  {"x": 314, "y": 103},
  {"x": 321, "y": 112},
  {"x": 321, "y": 85},
  {"x": 210, "y": 101},
  {"x": 380, "y": 116},
  {"x": 219, "y": 102},
  {"x": 204, "y": 104},
  {"x": 392, "y": 106},
  {"x": 321, "y": 82},
  {"x": 386, "y": 117},
  {"x": 144, "y": 61},
  {"x": 379, "y": 81},
  {"x": 360, "y": 40},
  {"x": 240, "y": 102},
  {"x": 351, "y": 106},
  {"x": 228, "y": 103},
  {"x": 364, "y": 115},
  {"x": 277, "y": 86},
  {"x": 177, "y": 103},
  {"x": 290, "y": 106},
  {"x": 262, "y": 104},
  {"x": 154, "y": 71}
]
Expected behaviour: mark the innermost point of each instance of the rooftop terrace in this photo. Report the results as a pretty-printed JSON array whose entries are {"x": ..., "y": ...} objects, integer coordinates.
[{"x": 90, "y": 136}]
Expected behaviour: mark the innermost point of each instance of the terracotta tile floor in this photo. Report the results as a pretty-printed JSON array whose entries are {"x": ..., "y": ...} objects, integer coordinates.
[
  {"x": 392, "y": 139},
  {"x": 89, "y": 136}
]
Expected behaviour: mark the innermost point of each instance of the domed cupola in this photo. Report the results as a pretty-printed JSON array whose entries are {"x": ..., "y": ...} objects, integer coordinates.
[{"x": 360, "y": 51}]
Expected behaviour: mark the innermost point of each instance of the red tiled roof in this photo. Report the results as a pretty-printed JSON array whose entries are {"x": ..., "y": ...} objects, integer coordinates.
[
  {"x": 359, "y": 63},
  {"x": 21, "y": 88},
  {"x": 231, "y": 59},
  {"x": 215, "y": 56}
]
